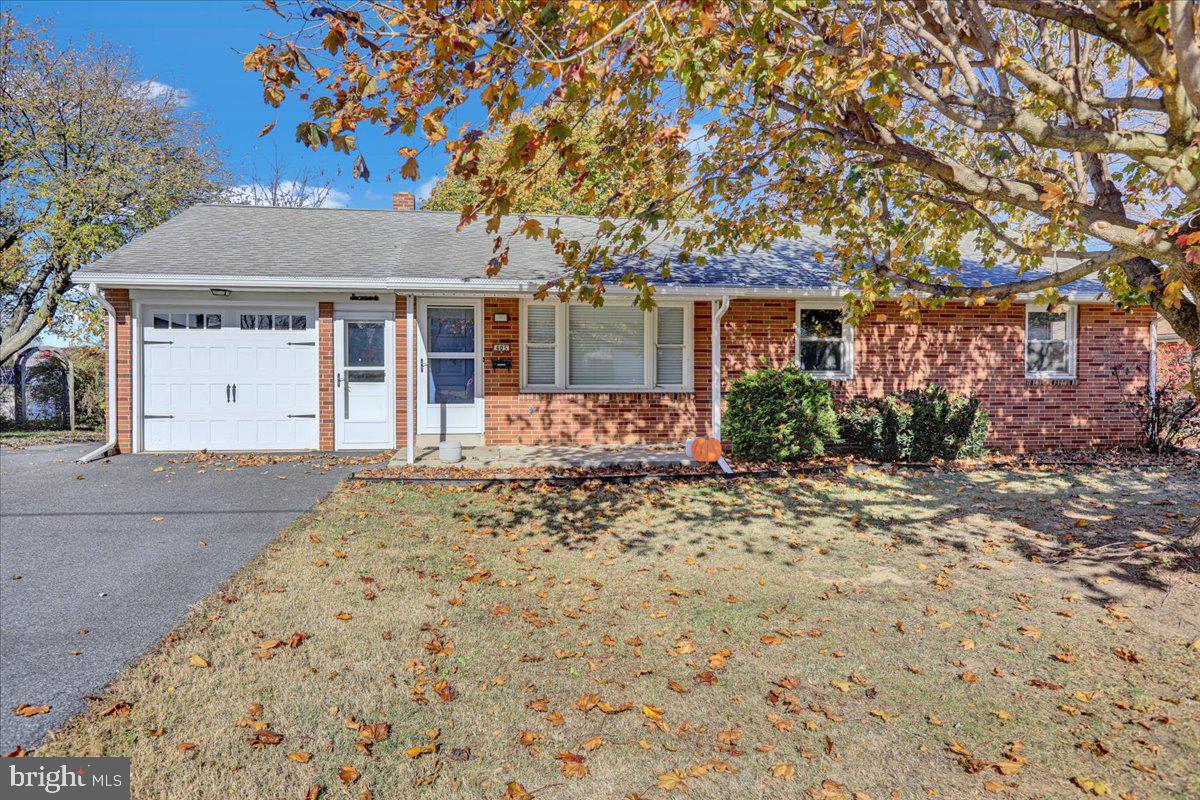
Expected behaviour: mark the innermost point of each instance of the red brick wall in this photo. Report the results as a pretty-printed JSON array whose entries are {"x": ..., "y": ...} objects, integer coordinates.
[
  {"x": 980, "y": 351},
  {"x": 514, "y": 417},
  {"x": 976, "y": 351},
  {"x": 119, "y": 299},
  {"x": 325, "y": 376}
]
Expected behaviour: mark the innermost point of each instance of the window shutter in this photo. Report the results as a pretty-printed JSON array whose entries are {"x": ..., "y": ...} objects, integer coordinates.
[
  {"x": 669, "y": 355},
  {"x": 540, "y": 341}
]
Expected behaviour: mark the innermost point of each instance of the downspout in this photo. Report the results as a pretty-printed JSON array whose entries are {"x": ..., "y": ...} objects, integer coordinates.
[
  {"x": 410, "y": 389},
  {"x": 1152, "y": 434},
  {"x": 719, "y": 307},
  {"x": 111, "y": 397}
]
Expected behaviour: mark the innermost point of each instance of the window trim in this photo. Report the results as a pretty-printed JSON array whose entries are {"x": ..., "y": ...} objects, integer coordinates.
[
  {"x": 1072, "y": 340},
  {"x": 649, "y": 352},
  {"x": 847, "y": 340}
]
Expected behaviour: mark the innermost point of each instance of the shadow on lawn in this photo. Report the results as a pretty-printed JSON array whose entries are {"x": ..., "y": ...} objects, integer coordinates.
[{"x": 1078, "y": 524}]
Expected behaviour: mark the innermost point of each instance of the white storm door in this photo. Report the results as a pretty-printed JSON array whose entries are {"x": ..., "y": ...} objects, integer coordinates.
[
  {"x": 364, "y": 398},
  {"x": 450, "y": 369}
]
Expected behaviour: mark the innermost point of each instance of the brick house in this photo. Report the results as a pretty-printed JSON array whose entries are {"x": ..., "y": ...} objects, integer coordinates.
[{"x": 252, "y": 328}]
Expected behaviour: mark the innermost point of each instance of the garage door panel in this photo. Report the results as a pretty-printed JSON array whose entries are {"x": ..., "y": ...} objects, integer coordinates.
[{"x": 187, "y": 375}]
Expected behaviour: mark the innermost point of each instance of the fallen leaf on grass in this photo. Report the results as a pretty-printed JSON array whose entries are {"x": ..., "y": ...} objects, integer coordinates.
[
  {"x": 198, "y": 661},
  {"x": 300, "y": 757},
  {"x": 1090, "y": 785},
  {"x": 515, "y": 791},
  {"x": 652, "y": 712},
  {"x": 348, "y": 774},
  {"x": 673, "y": 780},
  {"x": 572, "y": 765},
  {"x": 117, "y": 709},
  {"x": 784, "y": 771}
]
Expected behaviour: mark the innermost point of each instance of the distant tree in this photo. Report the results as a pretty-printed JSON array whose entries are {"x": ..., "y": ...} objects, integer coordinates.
[
  {"x": 275, "y": 184},
  {"x": 91, "y": 155}
]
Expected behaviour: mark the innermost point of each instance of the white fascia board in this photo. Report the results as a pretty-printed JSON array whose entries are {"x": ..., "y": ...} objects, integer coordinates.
[
  {"x": 477, "y": 286},
  {"x": 298, "y": 283}
]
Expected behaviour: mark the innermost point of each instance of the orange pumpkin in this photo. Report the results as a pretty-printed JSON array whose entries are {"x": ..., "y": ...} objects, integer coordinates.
[{"x": 705, "y": 449}]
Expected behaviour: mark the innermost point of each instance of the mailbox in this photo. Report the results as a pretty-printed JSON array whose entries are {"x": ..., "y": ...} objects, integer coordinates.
[{"x": 501, "y": 363}]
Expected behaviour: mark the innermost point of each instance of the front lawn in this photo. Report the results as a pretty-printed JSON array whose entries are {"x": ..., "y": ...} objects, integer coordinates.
[
  {"x": 19, "y": 439},
  {"x": 909, "y": 635}
]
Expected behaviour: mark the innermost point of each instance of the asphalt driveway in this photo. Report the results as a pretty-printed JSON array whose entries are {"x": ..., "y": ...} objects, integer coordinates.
[{"x": 111, "y": 555}]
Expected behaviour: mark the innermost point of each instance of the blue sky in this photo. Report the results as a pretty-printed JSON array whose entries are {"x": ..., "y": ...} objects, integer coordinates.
[{"x": 197, "y": 46}]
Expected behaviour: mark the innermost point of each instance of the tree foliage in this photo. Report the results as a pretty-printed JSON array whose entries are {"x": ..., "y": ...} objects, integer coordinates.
[
  {"x": 1045, "y": 133},
  {"x": 543, "y": 186},
  {"x": 91, "y": 155}
]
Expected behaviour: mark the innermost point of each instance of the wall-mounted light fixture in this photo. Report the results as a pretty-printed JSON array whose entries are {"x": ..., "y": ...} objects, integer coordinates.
[{"x": 220, "y": 292}]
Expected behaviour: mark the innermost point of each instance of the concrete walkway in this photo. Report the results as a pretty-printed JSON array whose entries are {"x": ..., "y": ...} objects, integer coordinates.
[{"x": 509, "y": 457}]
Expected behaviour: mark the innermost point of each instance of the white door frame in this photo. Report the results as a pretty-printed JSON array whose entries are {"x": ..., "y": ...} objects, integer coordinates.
[
  {"x": 423, "y": 305},
  {"x": 388, "y": 317}
]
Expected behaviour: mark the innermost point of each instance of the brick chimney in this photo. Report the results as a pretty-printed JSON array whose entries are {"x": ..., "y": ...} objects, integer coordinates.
[{"x": 404, "y": 201}]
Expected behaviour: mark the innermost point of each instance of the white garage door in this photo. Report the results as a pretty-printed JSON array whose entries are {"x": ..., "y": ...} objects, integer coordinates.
[{"x": 229, "y": 378}]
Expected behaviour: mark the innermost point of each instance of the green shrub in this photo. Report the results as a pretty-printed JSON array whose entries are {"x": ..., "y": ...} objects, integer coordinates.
[
  {"x": 779, "y": 415},
  {"x": 916, "y": 425}
]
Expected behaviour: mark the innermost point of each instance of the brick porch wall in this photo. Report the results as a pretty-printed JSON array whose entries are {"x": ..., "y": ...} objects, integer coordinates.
[
  {"x": 514, "y": 417},
  {"x": 119, "y": 299},
  {"x": 325, "y": 438}
]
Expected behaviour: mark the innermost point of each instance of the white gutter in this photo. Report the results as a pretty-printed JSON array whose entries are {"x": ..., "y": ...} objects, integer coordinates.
[
  {"x": 476, "y": 286},
  {"x": 111, "y": 397},
  {"x": 410, "y": 389},
  {"x": 719, "y": 307}
]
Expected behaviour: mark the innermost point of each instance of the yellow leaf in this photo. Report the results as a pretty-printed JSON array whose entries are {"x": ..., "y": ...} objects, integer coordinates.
[
  {"x": 198, "y": 661},
  {"x": 652, "y": 712},
  {"x": 672, "y": 780},
  {"x": 785, "y": 771},
  {"x": 1091, "y": 785},
  {"x": 593, "y": 743},
  {"x": 300, "y": 757}
]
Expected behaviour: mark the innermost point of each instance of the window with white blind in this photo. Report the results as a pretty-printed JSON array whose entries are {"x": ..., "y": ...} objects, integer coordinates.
[
  {"x": 579, "y": 347},
  {"x": 1050, "y": 342},
  {"x": 824, "y": 340}
]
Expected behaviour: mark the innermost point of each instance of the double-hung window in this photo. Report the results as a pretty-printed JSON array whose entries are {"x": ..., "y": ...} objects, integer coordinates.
[
  {"x": 1050, "y": 342},
  {"x": 580, "y": 347},
  {"x": 824, "y": 340}
]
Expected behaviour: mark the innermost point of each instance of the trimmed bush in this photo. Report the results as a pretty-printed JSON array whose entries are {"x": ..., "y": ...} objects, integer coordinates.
[
  {"x": 779, "y": 415},
  {"x": 916, "y": 425}
]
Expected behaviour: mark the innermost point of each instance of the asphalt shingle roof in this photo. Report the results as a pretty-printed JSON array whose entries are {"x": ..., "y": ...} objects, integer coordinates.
[{"x": 377, "y": 246}]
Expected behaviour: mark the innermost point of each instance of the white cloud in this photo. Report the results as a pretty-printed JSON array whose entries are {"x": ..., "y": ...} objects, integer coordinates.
[
  {"x": 426, "y": 189},
  {"x": 156, "y": 90},
  {"x": 294, "y": 194}
]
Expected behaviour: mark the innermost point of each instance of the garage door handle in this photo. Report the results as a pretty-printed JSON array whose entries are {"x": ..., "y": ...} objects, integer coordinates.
[
  {"x": 303, "y": 344},
  {"x": 302, "y": 416},
  {"x": 158, "y": 416},
  {"x": 235, "y": 393},
  {"x": 156, "y": 341},
  {"x": 227, "y": 393}
]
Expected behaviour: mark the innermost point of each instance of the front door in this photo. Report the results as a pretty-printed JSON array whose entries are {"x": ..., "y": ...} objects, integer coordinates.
[
  {"x": 450, "y": 373},
  {"x": 364, "y": 400}
]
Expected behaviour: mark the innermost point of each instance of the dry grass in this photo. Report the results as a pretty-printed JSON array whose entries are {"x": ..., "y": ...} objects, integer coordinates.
[{"x": 896, "y": 635}]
